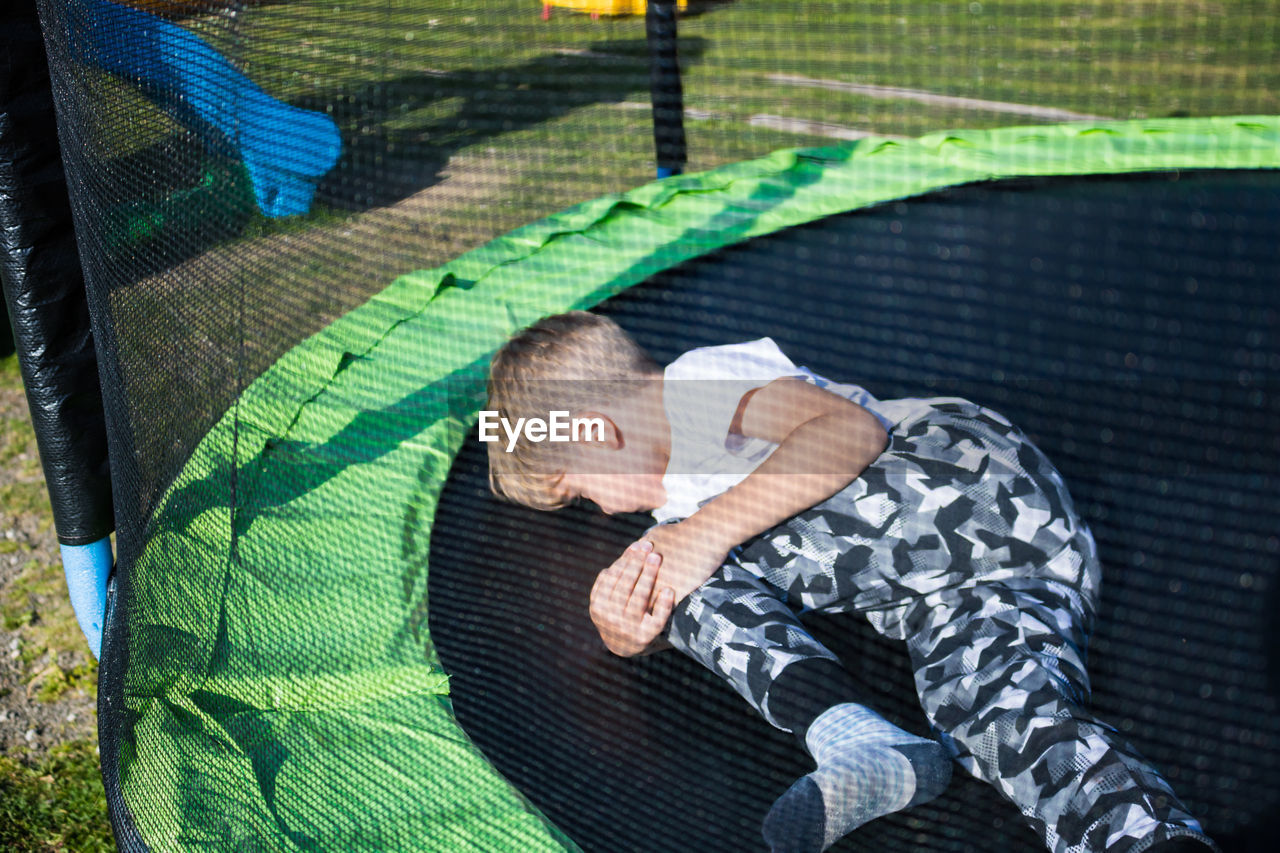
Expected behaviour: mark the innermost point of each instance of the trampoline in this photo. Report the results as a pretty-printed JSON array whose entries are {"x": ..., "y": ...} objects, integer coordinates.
[
  {"x": 323, "y": 633},
  {"x": 345, "y": 444}
]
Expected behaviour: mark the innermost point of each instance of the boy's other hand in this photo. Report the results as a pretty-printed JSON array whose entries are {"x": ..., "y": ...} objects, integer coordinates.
[{"x": 620, "y": 605}]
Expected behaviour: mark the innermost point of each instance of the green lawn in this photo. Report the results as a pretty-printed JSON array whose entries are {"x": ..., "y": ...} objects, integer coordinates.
[
  {"x": 543, "y": 114},
  {"x": 50, "y": 799},
  {"x": 463, "y": 120},
  {"x": 54, "y": 803},
  {"x": 433, "y": 76}
]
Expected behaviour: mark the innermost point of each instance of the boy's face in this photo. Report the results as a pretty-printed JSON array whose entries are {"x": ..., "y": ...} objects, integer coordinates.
[{"x": 615, "y": 478}]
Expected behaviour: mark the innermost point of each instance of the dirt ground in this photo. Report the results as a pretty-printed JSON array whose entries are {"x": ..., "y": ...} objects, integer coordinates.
[{"x": 47, "y": 674}]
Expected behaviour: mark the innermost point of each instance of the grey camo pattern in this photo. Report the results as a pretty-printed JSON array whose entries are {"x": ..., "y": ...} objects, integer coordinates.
[{"x": 960, "y": 539}]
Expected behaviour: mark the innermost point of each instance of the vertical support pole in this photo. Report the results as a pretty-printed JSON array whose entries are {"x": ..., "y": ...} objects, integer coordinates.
[
  {"x": 665, "y": 89},
  {"x": 44, "y": 292},
  {"x": 87, "y": 569}
]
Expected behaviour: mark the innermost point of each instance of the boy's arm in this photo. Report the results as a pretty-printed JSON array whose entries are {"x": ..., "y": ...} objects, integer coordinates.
[{"x": 824, "y": 442}]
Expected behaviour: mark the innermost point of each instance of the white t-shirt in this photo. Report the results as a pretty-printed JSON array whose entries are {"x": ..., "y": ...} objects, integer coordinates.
[{"x": 701, "y": 392}]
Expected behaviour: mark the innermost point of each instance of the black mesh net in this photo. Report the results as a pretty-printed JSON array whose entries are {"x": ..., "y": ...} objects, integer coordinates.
[{"x": 296, "y": 224}]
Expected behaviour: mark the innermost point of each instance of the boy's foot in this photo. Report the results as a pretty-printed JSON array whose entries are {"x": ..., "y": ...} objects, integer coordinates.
[{"x": 867, "y": 767}]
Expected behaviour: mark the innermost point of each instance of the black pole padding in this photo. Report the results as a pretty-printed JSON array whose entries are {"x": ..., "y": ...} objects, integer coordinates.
[
  {"x": 44, "y": 287},
  {"x": 665, "y": 89}
]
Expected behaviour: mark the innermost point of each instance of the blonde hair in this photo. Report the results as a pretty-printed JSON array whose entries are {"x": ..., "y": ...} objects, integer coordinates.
[{"x": 572, "y": 362}]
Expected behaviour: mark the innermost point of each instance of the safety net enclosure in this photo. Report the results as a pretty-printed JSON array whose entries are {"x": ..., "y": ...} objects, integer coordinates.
[{"x": 305, "y": 227}]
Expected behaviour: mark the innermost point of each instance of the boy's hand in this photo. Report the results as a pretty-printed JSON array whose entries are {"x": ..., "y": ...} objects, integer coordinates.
[
  {"x": 620, "y": 602},
  {"x": 691, "y": 553}
]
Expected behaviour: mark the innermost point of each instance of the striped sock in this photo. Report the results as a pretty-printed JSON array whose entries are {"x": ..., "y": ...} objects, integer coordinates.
[{"x": 867, "y": 767}]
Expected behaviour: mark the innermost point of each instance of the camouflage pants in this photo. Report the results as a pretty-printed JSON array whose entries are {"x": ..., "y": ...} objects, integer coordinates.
[{"x": 962, "y": 540}]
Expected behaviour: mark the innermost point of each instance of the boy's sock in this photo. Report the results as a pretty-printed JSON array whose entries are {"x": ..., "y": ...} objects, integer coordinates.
[
  {"x": 867, "y": 767},
  {"x": 805, "y": 689}
]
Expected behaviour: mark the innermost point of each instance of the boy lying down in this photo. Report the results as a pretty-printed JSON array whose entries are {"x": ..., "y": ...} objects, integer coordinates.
[{"x": 777, "y": 492}]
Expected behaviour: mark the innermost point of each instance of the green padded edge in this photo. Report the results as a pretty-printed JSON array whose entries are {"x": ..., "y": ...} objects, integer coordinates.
[{"x": 284, "y": 683}]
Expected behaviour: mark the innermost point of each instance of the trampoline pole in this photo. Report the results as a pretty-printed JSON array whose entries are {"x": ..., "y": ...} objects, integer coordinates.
[
  {"x": 53, "y": 332},
  {"x": 664, "y": 87}
]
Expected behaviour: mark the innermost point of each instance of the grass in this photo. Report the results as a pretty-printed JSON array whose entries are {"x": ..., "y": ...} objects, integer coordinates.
[
  {"x": 416, "y": 83},
  {"x": 33, "y": 604},
  {"x": 54, "y": 803},
  {"x": 462, "y": 121},
  {"x": 530, "y": 116},
  {"x": 411, "y": 68},
  {"x": 24, "y": 493}
]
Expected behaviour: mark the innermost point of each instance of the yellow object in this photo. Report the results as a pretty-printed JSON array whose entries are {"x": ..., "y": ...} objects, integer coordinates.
[{"x": 608, "y": 7}]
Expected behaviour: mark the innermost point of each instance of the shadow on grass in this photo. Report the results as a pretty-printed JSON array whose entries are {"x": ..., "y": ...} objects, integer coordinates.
[{"x": 398, "y": 134}]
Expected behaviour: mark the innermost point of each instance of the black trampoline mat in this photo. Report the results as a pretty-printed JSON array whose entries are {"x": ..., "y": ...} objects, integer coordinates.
[{"x": 1128, "y": 325}]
